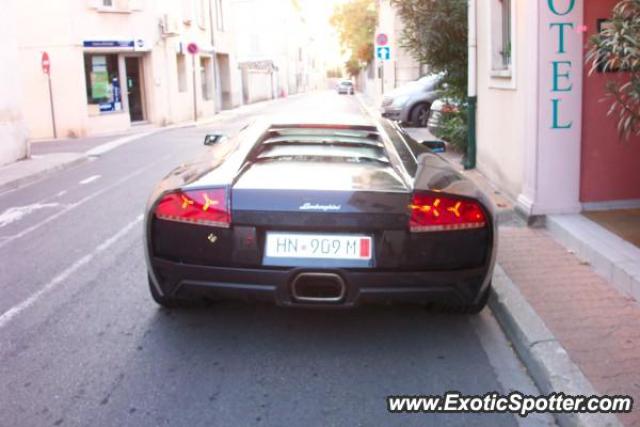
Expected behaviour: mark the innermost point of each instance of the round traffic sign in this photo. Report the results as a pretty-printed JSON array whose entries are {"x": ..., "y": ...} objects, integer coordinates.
[
  {"x": 44, "y": 62},
  {"x": 382, "y": 39},
  {"x": 192, "y": 48}
]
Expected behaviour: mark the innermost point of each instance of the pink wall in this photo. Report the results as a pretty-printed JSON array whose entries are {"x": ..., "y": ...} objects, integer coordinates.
[{"x": 610, "y": 168}]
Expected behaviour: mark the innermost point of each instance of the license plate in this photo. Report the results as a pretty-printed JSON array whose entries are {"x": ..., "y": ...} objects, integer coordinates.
[{"x": 319, "y": 246}]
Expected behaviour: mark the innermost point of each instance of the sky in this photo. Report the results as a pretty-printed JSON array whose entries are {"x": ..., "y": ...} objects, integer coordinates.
[{"x": 317, "y": 14}]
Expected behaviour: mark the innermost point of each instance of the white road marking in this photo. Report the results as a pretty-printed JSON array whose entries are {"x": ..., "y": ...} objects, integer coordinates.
[
  {"x": 8, "y": 315},
  {"x": 61, "y": 193},
  {"x": 111, "y": 145},
  {"x": 16, "y": 213},
  {"x": 90, "y": 179},
  {"x": 81, "y": 202}
]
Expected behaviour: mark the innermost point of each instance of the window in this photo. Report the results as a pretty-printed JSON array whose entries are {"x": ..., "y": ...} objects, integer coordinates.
[
  {"x": 102, "y": 80},
  {"x": 181, "y": 63},
  {"x": 501, "y": 36},
  {"x": 201, "y": 14},
  {"x": 206, "y": 77},
  {"x": 187, "y": 11},
  {"x": 116, "y": 6},
  {"x": 219, "y": 17}
]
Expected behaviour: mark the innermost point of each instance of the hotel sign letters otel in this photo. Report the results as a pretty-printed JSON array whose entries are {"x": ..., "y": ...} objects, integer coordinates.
[
  {"x": 561, "y": 63},
  {"x": 556, "y": 157}
]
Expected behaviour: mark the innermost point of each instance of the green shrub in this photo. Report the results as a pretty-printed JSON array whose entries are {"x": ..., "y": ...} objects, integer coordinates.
[
  {"x": 453, "y": 129},
  {"x": 617, "y": 48}
]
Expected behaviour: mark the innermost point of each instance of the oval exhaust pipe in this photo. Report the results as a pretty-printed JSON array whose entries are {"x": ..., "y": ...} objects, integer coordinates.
[{"x": 318, "y": 287}]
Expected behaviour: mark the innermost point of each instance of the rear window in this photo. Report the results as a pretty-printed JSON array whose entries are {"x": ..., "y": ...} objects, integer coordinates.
[{"x": 325, "y": 144}]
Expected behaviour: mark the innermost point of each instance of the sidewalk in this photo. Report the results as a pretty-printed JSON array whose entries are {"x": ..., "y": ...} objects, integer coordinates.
[
  {"x": 597, "y": 326},
  {"x": 49, "y": 156},
  {"x": 573, "y": 329}
]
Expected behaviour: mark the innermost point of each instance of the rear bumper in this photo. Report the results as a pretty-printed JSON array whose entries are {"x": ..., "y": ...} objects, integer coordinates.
[{"x": 361, "y": 286}]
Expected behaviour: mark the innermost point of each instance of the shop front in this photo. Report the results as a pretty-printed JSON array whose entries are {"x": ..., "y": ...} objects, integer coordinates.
[
  {"x": 610, "y": 177},
  {"x": 545, "y": 134},
  {"x": 115, "y": 83}
]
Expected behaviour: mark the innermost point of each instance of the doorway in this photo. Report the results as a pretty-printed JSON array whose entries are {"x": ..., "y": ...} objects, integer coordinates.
[
  {"x": 223, "y": 82},
  {"x": 134, "y": 88}
]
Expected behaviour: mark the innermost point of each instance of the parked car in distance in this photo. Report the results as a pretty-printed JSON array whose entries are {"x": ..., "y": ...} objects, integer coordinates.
[
  {"x": 345, "y": 87},
  {"x": 411, "y": 103},
  {"x": 371, "y": 216}
]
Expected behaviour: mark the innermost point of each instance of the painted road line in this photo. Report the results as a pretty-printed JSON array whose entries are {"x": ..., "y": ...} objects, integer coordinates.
[
  {"x": 8, "y": 315},
  {"x": 90, "y": 179},
  {"x": 112, "y": 145},
  {"x": 16, "y": 213},
  {"x": 81, "y": 202}
]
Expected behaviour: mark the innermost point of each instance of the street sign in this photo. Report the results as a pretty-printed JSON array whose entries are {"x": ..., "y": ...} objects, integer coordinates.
[
  {"x": 109, "y": 44},
  {"x": 44, "y": 62},
  {"x": 383, "y": 53},
  {"x": 192, "y": 48},
  {"x": 382, "y": 39}
]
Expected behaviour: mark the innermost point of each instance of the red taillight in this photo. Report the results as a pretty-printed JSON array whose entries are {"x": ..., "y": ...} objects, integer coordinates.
[
  {"x": 434, "y": 212},
  {"x": 206, "y": 207}
]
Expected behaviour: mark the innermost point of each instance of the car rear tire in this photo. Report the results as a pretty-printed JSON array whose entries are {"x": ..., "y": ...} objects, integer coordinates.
[
  {"x": 469, "y": 308},
  {"x": 163, "y": 300},
  {"x": 420, "y": 115}
]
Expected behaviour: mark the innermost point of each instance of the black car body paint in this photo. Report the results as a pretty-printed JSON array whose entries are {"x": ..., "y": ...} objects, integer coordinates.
[{"x": 266, "y": 195}]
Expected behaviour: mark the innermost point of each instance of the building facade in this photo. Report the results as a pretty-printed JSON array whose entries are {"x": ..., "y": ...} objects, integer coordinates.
[
  {"x": 543, "y": 132},
  {"x": 13, "y": 130},
  {"x": 384, "y": 75},
  {"x": 116, "y": 63},
  {"x": 275, "y": 49}
]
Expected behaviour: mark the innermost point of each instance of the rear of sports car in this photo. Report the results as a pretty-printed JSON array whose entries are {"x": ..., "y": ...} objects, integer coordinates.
[{"x": 319, "y": 216}]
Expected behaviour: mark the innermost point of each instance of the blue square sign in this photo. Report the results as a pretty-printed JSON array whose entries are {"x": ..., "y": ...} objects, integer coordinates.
[{"x": 383, "y": 53}]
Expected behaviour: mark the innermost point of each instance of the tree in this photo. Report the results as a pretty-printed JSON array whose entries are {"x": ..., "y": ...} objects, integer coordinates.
[
  {"x": 356, "y": 22},
  {"x": 353, "y": 67},
  {"x": 334, "y": 72},
  {"x": 617, "y": 48},
  {"x": 435, "y": 32}
]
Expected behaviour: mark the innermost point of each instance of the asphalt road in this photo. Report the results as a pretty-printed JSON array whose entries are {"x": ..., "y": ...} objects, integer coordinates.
[{"x": 82, "y": 343}]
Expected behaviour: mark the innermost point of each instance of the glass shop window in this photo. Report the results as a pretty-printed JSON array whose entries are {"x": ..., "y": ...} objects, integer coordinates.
[{"x": 103, "y": 83}]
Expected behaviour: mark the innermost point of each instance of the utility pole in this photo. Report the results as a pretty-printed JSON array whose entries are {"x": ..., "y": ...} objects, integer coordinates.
[
  {"x": 195, "y": 96},
  {"x": 53, "y": 111},
  {"x": 46, "y": 68},
  {"x": 193, "y": 49},
  {"x": 472, "y": 84}
]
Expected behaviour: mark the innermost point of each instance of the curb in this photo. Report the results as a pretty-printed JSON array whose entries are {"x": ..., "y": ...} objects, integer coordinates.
[
  {"x": 546, "y": 360},
  {"x": 106, "y": 147},
  {"x": 369, "y": 110},
  {"x": 613, "y": 258},
  {"x": 37, "y": 176}
]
